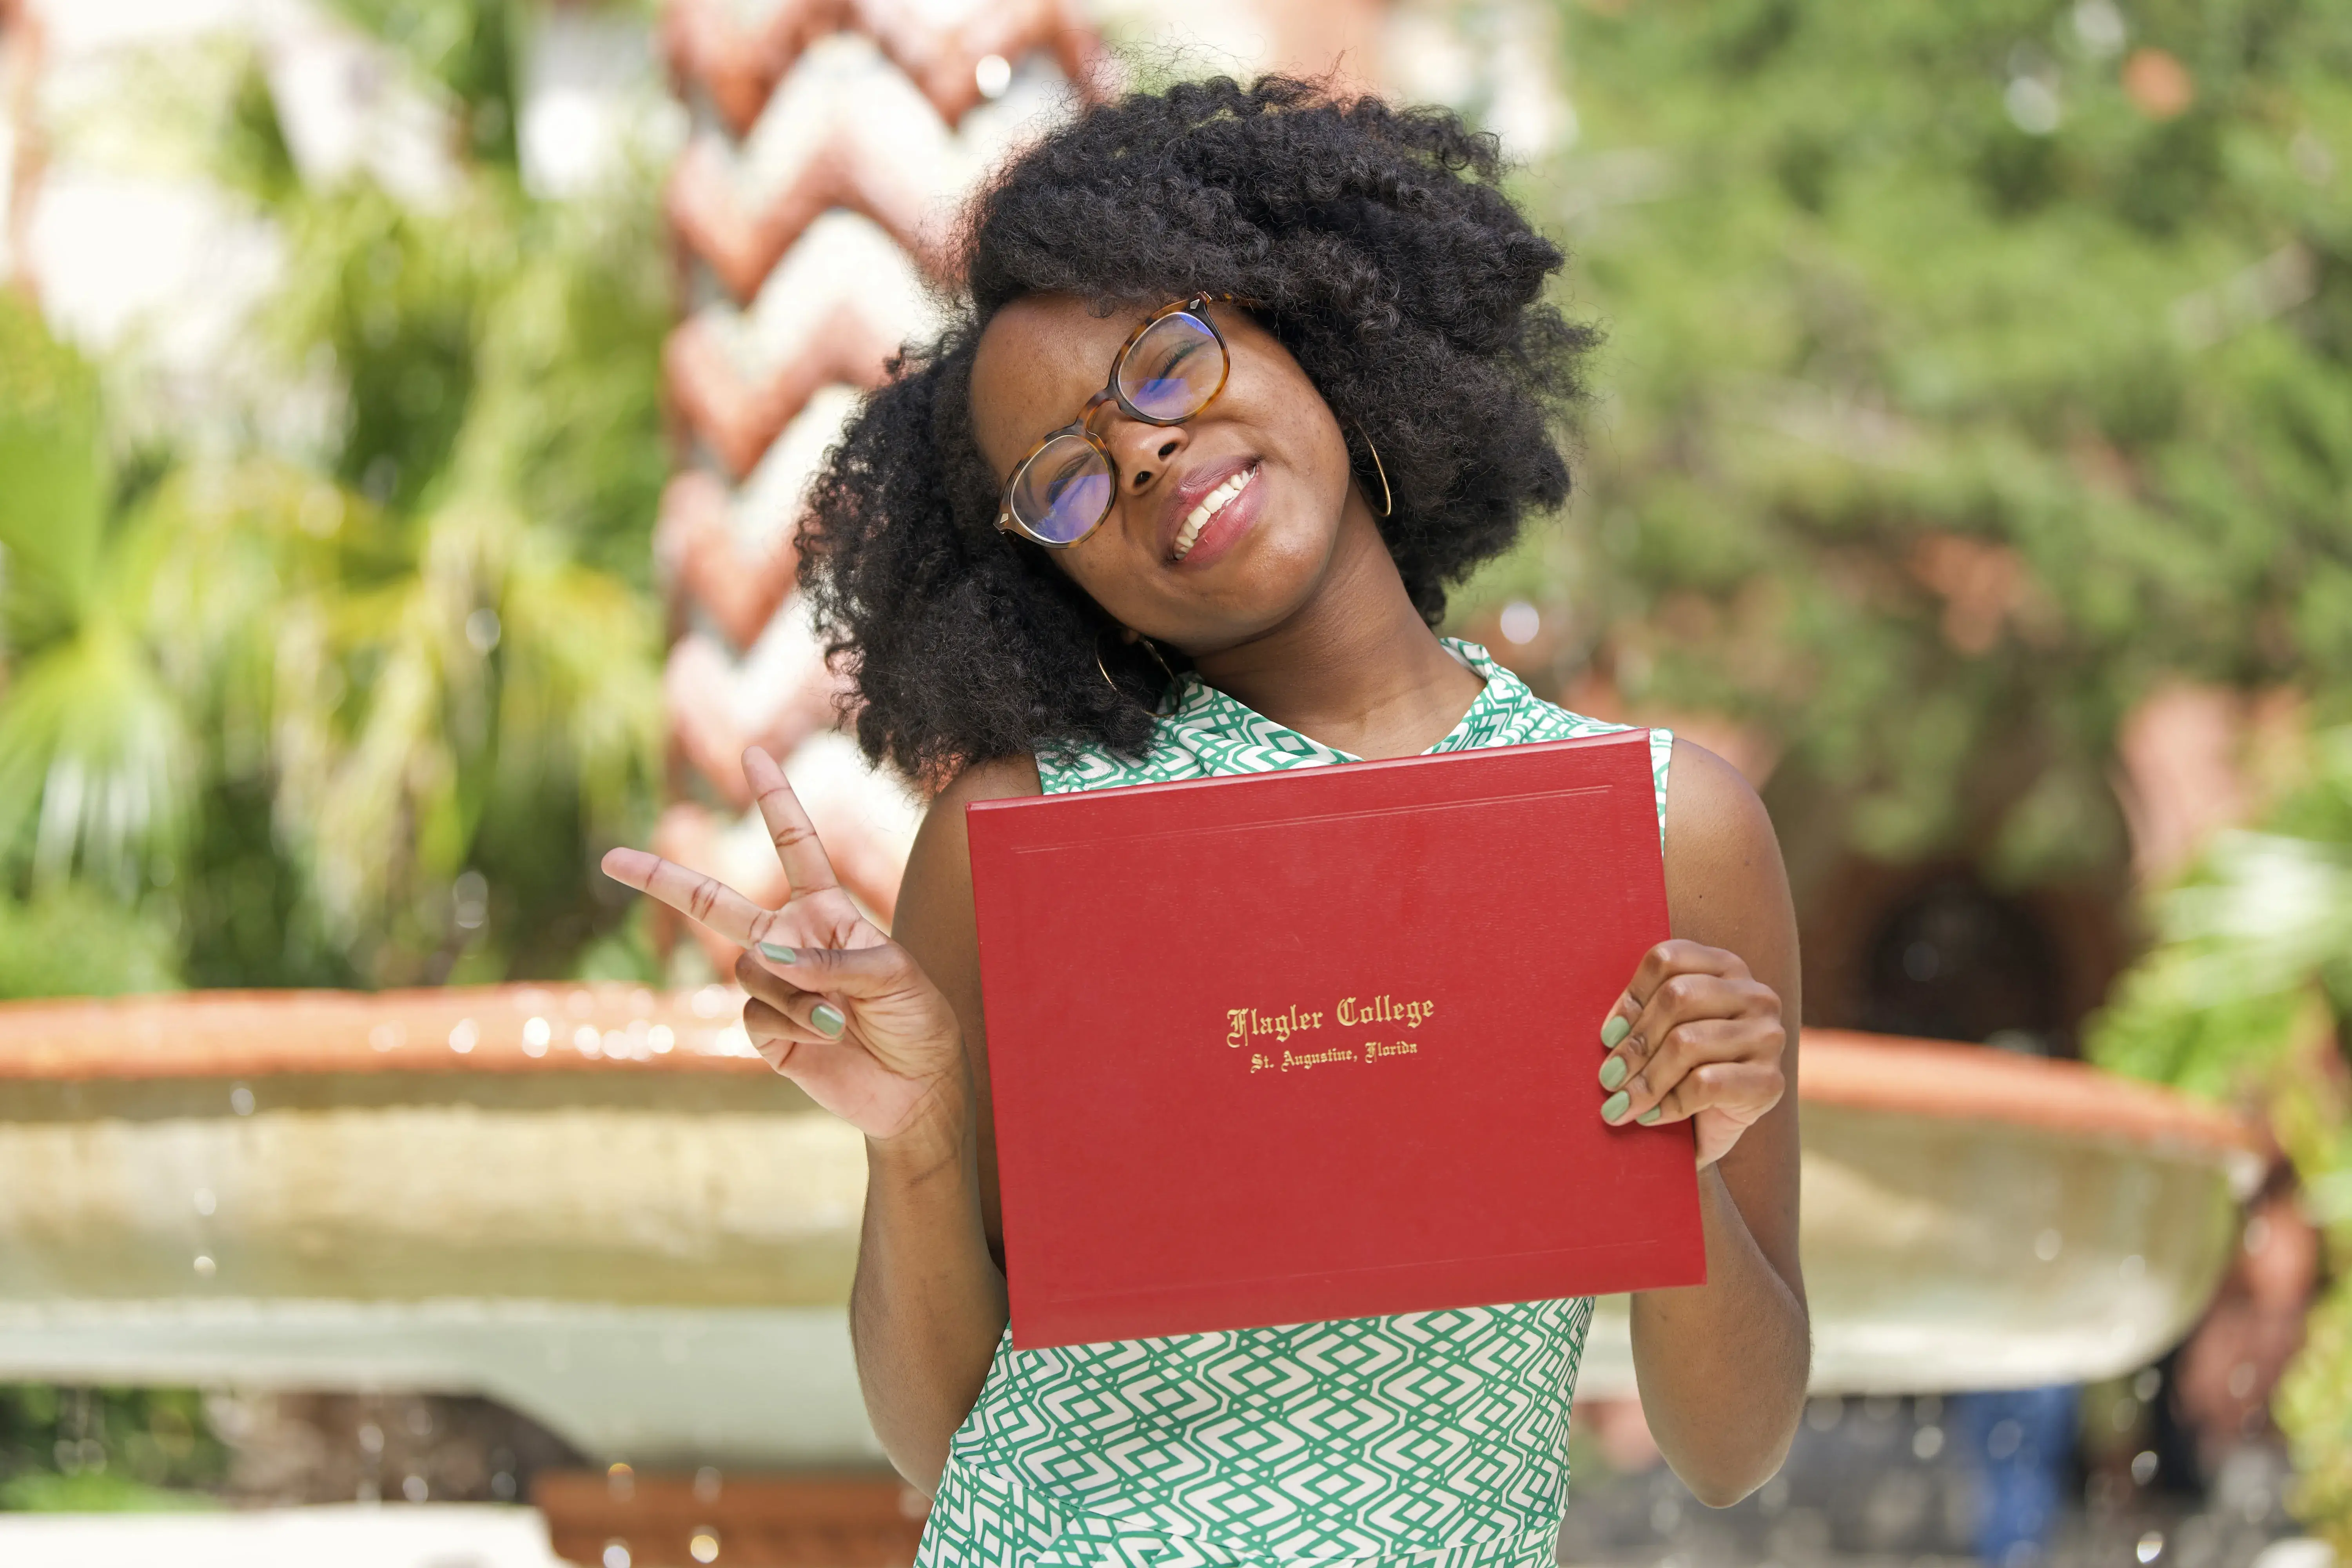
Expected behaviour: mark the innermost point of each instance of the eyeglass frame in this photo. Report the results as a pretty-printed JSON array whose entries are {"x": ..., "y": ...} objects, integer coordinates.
[{"x": 1195, "y": 306}]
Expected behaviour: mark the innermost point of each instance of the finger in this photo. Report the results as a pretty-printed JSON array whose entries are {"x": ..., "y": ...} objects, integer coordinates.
[
  {"x": 776, "y": 1033},
  {"x": 1679, "y": 999},
  {"x": 706, "y": 899},
  {"x": 764, "y": 983},
  {"x": 807, "y": 1059},
  {"x": 808, "y": 1012},
  {"x": 1686, "y": 1047},
  {"x": 789, "y": 828},
  {"x": 1677, "y": 955},
  {"x": 1742, "y": 1090},
  {"x": 862, "y": 973}
]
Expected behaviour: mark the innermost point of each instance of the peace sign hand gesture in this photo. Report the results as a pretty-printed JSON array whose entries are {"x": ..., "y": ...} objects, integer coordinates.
[{"x": 836, "y": 1005}]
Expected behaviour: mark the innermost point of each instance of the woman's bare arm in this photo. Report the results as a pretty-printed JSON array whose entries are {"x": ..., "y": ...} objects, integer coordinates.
[
  {"x": 1722, "y": 1367},
  {"x": 928, "y": 1304}
]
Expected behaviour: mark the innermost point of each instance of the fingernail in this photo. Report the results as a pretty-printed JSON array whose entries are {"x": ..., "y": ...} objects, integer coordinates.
[
  {"x": 1651, "y": 1115},
  {"x": 781, "y": 954},
  {"x": 1613, "y": 1071},
  {"x": 1614, "y": 1106},
  {"x": 827, "y": 1020},
  {"x": 1615, "y": 1030}
]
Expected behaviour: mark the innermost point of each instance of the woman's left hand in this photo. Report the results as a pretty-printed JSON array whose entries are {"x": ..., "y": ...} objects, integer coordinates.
[{"x": 1696, "y": 1036}]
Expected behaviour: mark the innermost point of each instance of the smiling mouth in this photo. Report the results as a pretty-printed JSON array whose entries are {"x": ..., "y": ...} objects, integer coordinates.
[{"x": 1215, "y": 501}]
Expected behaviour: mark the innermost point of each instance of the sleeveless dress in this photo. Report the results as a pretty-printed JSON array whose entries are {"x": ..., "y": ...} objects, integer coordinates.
[{"x": 1433, "y": 1439}]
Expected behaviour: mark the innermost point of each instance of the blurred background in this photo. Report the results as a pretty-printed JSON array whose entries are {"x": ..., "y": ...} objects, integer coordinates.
[{"x": 404, "y": 406}]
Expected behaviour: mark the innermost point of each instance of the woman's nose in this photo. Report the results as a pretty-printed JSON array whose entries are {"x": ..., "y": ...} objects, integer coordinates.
[{"x": 1144, "y": 452}]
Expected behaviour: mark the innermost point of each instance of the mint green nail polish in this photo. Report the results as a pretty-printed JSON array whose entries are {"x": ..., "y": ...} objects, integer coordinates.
[
  {"x": 1615, "y": 1030},
  {"x": 1614, "y": 1106},
  {"x": 1613, "y": 1071},
  {"x": 782, "y": 954},
  {"x": 1651, "y": 1115},
  {"x": 827, "y": 1020}
]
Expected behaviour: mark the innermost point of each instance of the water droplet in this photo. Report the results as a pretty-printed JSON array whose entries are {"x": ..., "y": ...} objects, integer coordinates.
[
  {"x": 385, "y": 1037},
  {"x": 662, "y": 1038},
  {"x": 2032, "y": 106},
  {"x": 469, "y": 901},
  {"x": 413, "y": 1489},
  {"x": 2100, "y": 27},
  {"x": 205, "y": 1202},
  {"x": 2151, "y": 1547},
  {"x": 992, "y": 74},
  {"x": 704, "y": 1546},
  {"x": 2048, "y": 1244},
  {"x": 1521, "y": 621},
  {"x": 482, "y": 629},
  {"x": 707, "y": 1482},
  {"x": 240, "y": 1100},
  {"x": 616, "y": 1555},
  {"x": 204, "y": 1267},
  {"x": 584, "y": 1040},
  {"x": 621, "y": 1480},
  {"x": 536, "y": 1032},
  {"x": 465, "y": 1035},
  {"x": 1927, "y": 1442},
  {"x": 2143, "y": 1465}
]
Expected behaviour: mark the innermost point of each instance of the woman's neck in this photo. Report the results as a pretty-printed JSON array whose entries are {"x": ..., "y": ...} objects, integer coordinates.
[{"x": 1355, "y": 667}]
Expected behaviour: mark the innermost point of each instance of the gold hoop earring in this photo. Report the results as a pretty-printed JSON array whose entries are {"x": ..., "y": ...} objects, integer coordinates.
[
  {"x": 1104, "y": 668},
  {"x": 1388, "y": 501},
  {"x": 1156, "y": 657}
]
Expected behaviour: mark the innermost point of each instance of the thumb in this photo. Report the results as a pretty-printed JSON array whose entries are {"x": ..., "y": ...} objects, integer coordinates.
[{"x": 854, "y": 971}]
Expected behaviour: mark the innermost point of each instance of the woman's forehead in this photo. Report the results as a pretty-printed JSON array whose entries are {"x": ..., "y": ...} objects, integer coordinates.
[{"x": 1040, "y": 359}]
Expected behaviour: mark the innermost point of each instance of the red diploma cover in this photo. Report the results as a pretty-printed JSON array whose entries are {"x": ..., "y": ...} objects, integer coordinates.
[{"x": 1321, "y": 1043}]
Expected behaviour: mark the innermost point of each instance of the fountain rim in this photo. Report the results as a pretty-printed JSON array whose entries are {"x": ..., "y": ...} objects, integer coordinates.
[{"x": 617, "y": 1027}]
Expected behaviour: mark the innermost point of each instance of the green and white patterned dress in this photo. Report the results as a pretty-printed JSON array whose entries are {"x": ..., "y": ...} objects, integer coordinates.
[{"x": 1435, "y": 1439}]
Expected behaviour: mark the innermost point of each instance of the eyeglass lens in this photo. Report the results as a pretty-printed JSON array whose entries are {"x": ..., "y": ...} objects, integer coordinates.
[
  {"x": 1062, "y": 490},
  {"x": 1173, "y": 369},
  {"x": 1170, "y": 372}
]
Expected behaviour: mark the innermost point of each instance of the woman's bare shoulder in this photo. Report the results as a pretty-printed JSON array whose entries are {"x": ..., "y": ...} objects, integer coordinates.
[
  {"x": 936, "y": 896},
  {"x": 1713, "y": 814},
  {"x": 999, "y": 778},
  {"x": 1725, "y": 884}
]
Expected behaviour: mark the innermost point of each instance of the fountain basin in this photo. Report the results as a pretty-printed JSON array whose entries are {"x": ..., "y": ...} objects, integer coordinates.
[{"x": 596, "y": 1205}]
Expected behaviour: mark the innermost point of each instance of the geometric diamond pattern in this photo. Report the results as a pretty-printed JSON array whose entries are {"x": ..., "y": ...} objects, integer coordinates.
[{"x": 1435, "y": 1439}]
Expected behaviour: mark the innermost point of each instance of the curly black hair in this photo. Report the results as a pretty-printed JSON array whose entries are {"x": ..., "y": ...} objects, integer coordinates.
[{"x": 1383, "y": 257}]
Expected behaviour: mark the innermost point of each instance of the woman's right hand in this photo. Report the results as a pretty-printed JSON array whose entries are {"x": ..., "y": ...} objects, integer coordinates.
[{"x": 836, "y": 1005}]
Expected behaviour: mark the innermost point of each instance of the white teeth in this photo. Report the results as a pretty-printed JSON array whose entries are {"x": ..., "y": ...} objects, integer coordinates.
[{"x": 1210, "y": 505}]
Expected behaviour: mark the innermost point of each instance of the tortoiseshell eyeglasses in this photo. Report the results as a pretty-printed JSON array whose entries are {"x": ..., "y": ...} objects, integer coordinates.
[{"x": 1170, "y": 368}]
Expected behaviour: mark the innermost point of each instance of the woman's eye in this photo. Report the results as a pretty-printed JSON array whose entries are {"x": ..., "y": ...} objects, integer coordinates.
[
  {"x": 1067, "y": 473},
  {"x": 1170, "y": 363}
]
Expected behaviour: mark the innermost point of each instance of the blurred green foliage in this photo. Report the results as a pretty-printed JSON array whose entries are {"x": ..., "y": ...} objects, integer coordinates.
[
  {"x": 1953, "y": 394},
  {"x": 364, "y": 714},
  {"x": 2246, "y": 997},
  {"x": 1972, "y": 371},
  {"x": 90, "y": 1449}
]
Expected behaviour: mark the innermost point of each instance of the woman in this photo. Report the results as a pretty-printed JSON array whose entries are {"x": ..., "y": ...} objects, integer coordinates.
[{"x": 1243, "y": 380}]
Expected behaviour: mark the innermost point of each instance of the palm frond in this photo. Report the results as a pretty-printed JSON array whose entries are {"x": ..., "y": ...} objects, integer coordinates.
[
  {"x": 96, "y": 763},
  {"x": 54, "y": 500}
]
